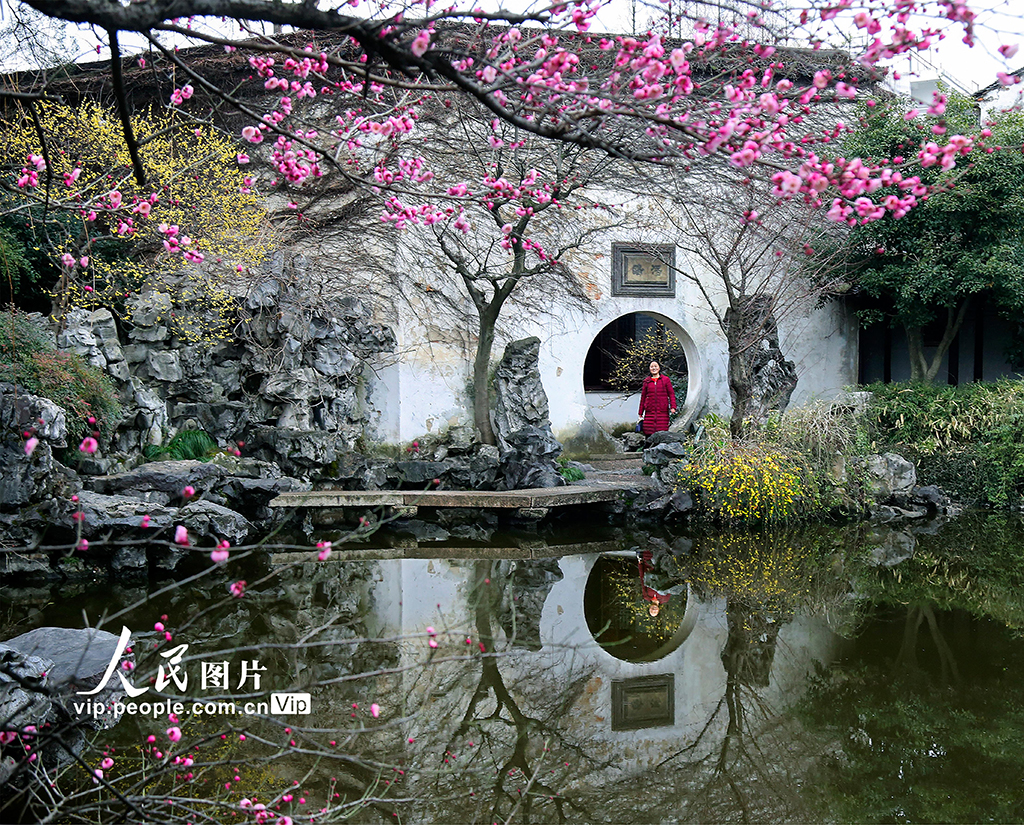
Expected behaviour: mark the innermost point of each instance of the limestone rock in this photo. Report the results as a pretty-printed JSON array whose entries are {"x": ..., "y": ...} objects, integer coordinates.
[
  {"x": 519, "y": 397},
  {"x": 149, "y": 309},
  {"x": 889, "y": 474},
  {"x": 23, "y": 678},
  {"x": 129, "y": 559},
  {"x": 23, "y": 565},
  {"x": 633, "y": 442},
  {"x": 529, "y": 460},
  {"x": 100, "y": 513},
  {"x": 169, "y": 477},
  {"x": 164, "y": 365},
  {"x": 20, "y": 410},
  {"x": 78, "y": 660},
  {"x": 665, "y": 453},
  {"x": 772, "y": 377},
  {"x": 207, "y": 519},
  {"x": 421, "y": 473},
  {"x": 27, "y": 479}
]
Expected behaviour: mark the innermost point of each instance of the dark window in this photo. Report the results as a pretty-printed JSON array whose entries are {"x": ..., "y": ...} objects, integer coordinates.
[{"x": 612, "y": 341}]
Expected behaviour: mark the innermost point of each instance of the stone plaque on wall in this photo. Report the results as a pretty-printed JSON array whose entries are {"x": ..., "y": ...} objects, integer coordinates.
[
  {"x": 644, "y": 702},
  {"x": 648, "y": 271}
]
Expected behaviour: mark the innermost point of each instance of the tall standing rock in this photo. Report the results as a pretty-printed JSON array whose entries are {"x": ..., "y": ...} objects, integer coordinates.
[{"x": 519, "y": 397}]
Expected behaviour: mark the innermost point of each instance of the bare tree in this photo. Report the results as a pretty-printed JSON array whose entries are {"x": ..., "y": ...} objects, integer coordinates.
[
  {"x": 516, "y": 212},
  {"x": 750, "y": 255}
]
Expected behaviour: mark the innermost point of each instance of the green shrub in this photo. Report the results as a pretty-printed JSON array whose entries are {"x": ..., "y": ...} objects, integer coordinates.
[
  {"x": 969, "y": 439},
  {"x": 568, "y": 472},
  {"x": 194, "y": 445},
  {"x": 791, "y": 467},
  {"x": 28, "y": 358},
  {"x": 819, "y": 432},
  {"x": 934, "y": 418}
]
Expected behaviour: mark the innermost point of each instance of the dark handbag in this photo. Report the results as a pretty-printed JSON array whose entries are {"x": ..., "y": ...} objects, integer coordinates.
[{"x": 639, "y": 427}]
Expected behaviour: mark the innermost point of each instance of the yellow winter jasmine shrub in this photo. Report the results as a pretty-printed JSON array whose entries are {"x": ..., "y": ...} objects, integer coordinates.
[
  {"x": 744, "y": 483},
  {"x": 107, "y": 234}
]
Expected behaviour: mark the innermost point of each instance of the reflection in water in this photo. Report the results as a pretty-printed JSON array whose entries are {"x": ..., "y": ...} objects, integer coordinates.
[
  {"x": 620, "y": 610},
  {"x": 503, "y": 711}
]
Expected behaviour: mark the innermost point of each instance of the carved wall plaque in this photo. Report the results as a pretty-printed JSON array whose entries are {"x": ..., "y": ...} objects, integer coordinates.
[{"x": 644, "y": 702}]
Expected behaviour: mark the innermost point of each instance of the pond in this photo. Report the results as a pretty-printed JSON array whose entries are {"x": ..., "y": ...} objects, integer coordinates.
[{"x": 845, "y": 674}]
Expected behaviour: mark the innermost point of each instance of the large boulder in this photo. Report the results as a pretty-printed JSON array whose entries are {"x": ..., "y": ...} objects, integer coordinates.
[
  {"x": 168, "y": 477},
  {"x": 41, "y": 674},
  {"x": 97, "y": 514},
  {"x": 59, "y": 662},
  {"x": 29, "y": 478},
  {"x": 205, "y": 519},
  {"x": 889, "y": 474},
  {"x": 529, "y": 460}
]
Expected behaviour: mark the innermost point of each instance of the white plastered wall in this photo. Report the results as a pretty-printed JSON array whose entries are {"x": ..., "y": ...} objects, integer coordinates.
[{"x": 429, "y": 385}]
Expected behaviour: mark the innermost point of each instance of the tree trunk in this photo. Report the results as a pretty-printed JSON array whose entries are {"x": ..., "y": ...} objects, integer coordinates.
[
  {"x": 915, "y": 348},
  {"x": 921, "y": 369},
  {"x": 739, "y": 385},
  {"x": 481, "y": 377}
]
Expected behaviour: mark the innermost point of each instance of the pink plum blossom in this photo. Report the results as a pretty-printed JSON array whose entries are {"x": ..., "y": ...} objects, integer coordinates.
[
  {"x": 89, "y": 445},
  {"x": 30, "y": 446},
  {"x": 181, "y": 535},
  {"x": 220, "y": 555},
  {"x": 421, "y": 43}
]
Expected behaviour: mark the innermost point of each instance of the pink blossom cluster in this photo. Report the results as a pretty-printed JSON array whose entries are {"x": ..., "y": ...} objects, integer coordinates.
[
  {"x": 179, "y": 96},
  {"x": 30, "y": 172},
  {"x": 295, "y": 162}
]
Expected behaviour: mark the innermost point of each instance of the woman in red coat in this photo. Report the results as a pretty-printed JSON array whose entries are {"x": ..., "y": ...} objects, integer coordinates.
[{"x": 656, "y": 399}]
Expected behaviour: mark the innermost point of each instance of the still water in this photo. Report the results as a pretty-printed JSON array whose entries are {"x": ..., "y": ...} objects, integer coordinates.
[{"x": 826, "y": 674}]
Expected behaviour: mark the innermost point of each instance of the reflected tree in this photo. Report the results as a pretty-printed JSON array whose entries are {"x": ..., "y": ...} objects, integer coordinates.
[
  {"x": 521, "y": 754},
  {"x": 906, "y": 664},
  {"x": 916, "y": 737}
]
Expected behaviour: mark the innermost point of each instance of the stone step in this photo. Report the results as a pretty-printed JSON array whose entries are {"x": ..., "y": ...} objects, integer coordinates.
[{"x": 616, "y": 461}]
